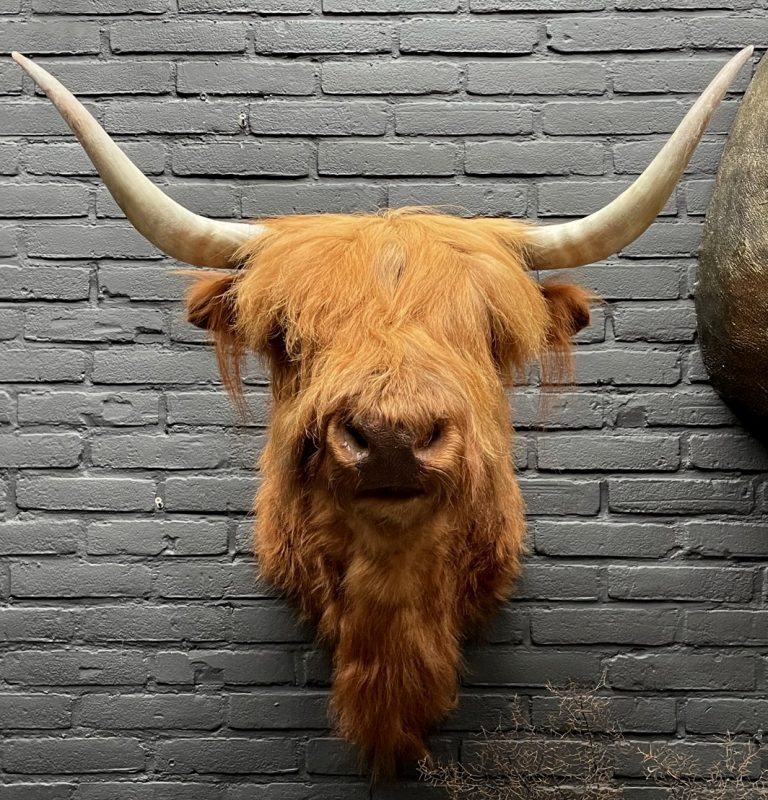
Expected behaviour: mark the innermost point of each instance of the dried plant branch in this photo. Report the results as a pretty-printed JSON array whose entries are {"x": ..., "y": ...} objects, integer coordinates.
[{"x": 572, "y": 754}]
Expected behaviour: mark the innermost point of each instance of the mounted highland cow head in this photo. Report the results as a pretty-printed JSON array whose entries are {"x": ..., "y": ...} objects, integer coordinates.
[{"x": 389, "y": 510}]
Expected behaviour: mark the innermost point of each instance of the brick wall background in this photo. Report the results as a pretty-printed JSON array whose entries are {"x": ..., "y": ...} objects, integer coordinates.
[{"x": 139, "y": 658}]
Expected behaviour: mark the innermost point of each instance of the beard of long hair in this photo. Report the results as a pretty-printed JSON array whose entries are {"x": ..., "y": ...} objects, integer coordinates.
[{"x": 391, "y": 607}]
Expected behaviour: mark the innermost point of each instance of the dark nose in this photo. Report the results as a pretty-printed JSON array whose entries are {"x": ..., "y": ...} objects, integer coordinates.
[{"x": 386, "y": 458}]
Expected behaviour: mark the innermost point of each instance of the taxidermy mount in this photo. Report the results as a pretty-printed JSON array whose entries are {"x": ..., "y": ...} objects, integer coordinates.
[{"x": 389, "y": 511}]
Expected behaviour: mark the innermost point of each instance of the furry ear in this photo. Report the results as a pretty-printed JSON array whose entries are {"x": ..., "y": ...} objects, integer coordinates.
[
  {"x": 211, "y": 306},
  {"x": 568, "y": 308}
]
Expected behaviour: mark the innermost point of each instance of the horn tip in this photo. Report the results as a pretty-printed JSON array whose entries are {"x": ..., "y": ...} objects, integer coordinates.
[{"x": 20, "y": 59}]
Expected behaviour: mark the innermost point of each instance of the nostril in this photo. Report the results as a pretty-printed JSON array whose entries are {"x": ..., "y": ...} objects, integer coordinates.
[{"x": 354, "y": 438}]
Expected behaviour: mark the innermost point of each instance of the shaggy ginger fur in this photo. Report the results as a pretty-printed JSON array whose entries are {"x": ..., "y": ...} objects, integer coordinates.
[{"x": 403, "y": 320}]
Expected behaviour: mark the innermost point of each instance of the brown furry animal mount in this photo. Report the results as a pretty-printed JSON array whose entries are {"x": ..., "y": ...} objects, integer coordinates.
[{"x": 389, "y": 510}]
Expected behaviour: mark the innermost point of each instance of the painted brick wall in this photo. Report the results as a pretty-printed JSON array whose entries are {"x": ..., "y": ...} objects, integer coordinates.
[{"x": 139, "y": 658}]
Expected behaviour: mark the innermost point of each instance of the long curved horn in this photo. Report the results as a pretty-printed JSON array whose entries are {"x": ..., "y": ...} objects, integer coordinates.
[
  {"x": 173, "y": 229},
  {"x": 613, "y": 227}
]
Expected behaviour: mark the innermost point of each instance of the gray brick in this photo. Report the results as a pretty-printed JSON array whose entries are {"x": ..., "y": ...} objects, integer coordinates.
[
  {"x": 681, "y": 583},
  {"x": 246, "y": 6},
  {"x": 605, "y": 33},
  {"x": 692, "y": 408},
  {"x": 39, "y": 36},
  {"x": 391, "y": 7},
  {"x": 56, "y": 324},
  {"x": 461, "y": 36},
  {"x": 480, "y": 6},
  {"x": 39, "y": 537},
  {"x": 683, "y": 5},
  {"x": 268, "y": 622},
  {"x": 275, "y": 198},
  {"x": 725, "y": 715},
  {"x": 153, "y": 451},
  {"x": 69, "y": 756},
  {"x": 729, "y": 450},
  {"x": 44, "y": 200},
  {"x": 725, "y": 627},
  {"x": 87, "y": 241},
  {"x": 172, "y": 537},
  {"x": 148, "y": 790},
  {"x": 141, "y": 283},
  {"x": 487, "y": 710},
  {"x": 10, "y": 79},
  {"x": 602, "y": 539},
  {"x": 6, "y": 406},
  {"x": 70, "y": 159},
  {"x": 39, "y": 624},
  {"x": 35, "y": 118},
  {"x": 667, "y": 239},
  {"x": 231, "y": 756},
  {"x": 682, "y": 670},
  {"x": 154, "y": 624},
  {"x": 624, "y": 625},
  {"x": 213, "y": 493},
  {"x": 100, "y": 7},
  {"x": 391, "y": 158},
  {"x": 83, "y": 409},
  {"x": 20, "y": 711},
  {"x": 242, "y": 158},
  {"x": 114, "y": 77},
  {"x": 11, "y": 323},
  {"x": 184, "y": 36},
  {"x": 278, "y": 710},
  {"x": 534, "y": 77},
  {"x": 633, "y": 714},
  {"x": 322, "y": 36},
  {"x": 9, "y": 241},
  {"x": 634, "y": 157},
  {"x": 724, "y": 539},
  {"x": 74, "y": 579},
  {"x": 260, "y": 77},
  {"x": 557, "y": 410},
  {"x": 331, "y": 756},
  {"x": 9, "y": 158},
  {"x": 676, "y": 75},
  {"x": 146, "y": 711},
  {"x": 697, "y": 196},
  {"x": 85, "y": 493},
  {"x": 36, "y": 791},
  {"x": 146, "y": 365},
  {"x": 405, "y": 76},
  {"x": 679, "y": 495},
  {"x": 452, "y": 119},
  {"x": 578, "y": 198},
  {"x": 42, "y": 366},
  {"x": 513, "y": 667},
  {"x": 534, "y": 158},
  {"x": 548, "y": 496},
  {"x": 587, "y": 452},
  {"x": 278, "y": 118},
  {"x": 214, "y": 408},
  {"x": 191, "y": 580},
  {"x": 175, "y": 116},
  {"x": 717, "y": 32},
  {"x": 211, "y": 200},
  {"x": 466, "y": 200},
  {"x": 542, "y": 581},
  {"x": 619, "y": 116},
  {"x": 627, "y": 367},
  {"x": 74, "y": 666},
  {"x": 668, "y": 323},
  {"x": 203, "y": 667}
]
